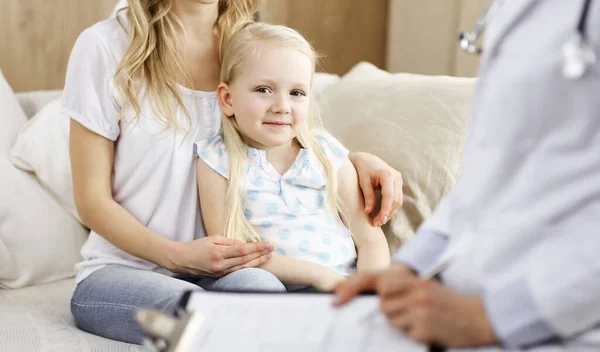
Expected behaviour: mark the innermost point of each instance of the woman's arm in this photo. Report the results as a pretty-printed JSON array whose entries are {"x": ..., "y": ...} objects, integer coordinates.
[
  {"x": 92, "y": 159},
  {"x": 212, "y": 188},
  {"x": 92, "y": 162},
  {"x": 373, "y": 251}
]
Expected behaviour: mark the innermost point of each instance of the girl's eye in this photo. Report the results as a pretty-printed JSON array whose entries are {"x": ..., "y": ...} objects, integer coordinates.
[
  {"x": 297, "y": 93},
  {"x": 263, "y": 90}
]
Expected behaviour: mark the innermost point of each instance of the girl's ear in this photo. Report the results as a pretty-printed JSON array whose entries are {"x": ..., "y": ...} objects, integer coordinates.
[{"x": 225, "y": 99}]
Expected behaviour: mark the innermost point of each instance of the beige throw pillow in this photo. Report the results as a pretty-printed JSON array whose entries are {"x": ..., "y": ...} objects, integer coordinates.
[{"x": 415, "y": 123}]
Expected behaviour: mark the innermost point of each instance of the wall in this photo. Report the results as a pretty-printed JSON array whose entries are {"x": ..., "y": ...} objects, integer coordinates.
[
  {"x": 417, "y": 36},
  {"x": 36, "y": 37},
  {"x": 423, "y": 36},
  {"x": 344, "y": 31}
]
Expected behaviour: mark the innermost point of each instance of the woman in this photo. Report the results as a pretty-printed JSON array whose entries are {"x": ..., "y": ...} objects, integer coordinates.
[{"x": 139, "y": 91}]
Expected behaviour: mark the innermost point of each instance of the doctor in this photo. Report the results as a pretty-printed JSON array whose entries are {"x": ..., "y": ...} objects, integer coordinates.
[{"x": 517, "y": 241}]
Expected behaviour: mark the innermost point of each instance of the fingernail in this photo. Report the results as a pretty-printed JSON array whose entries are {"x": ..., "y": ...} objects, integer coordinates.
[
  {"x": 336, "y": 300},
  {"x": 269, "y": 256},
  {"x": 385, "y": 219}
]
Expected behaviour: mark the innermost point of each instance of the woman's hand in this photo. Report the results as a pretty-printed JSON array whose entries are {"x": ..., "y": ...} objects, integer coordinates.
[
  {"x": 215, "y": 256},
  {"x": 424, "y": 310},
  {"x": 373, "y": 173}
]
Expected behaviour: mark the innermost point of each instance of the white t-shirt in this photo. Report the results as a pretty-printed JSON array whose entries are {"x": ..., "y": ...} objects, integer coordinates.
[
  {"x": 289, "y": 210},
  {"x": 154, "y": 176}
]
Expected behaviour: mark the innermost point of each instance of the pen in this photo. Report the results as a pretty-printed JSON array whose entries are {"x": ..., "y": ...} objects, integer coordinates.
[
  {"x": 436, "y": 348},
  {"x": 431, "y": 274}
]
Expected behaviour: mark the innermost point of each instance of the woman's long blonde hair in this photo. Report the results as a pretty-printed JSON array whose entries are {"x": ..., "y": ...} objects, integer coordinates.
[
  {"x": 153, "y": 62},
  {"x": 247, "y": 41}
]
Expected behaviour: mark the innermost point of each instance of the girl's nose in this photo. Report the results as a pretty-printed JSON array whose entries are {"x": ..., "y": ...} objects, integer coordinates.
[{"x": 281, "y": 106}]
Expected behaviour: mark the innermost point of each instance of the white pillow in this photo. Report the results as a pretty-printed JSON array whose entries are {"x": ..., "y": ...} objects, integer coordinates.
[
  {"x": 415, "y": 123},
  {"x": 39, "y": 241},
  {"x": 33, "y": 101},
  {"x": 42, "y": 148}
]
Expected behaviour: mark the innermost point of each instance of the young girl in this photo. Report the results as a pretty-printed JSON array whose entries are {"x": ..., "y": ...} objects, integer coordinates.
[{"x": 272, "y": 176}]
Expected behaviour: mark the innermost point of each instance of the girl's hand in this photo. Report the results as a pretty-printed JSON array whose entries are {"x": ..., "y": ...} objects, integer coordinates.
[
  {"x": 327, "y": 280},
  {"x": 374, "y": 173},
  {"x": 215, "y": 256}
]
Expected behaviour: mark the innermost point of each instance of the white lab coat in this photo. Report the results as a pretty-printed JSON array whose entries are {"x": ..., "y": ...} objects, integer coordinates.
[{"x": 527, "y": 204}]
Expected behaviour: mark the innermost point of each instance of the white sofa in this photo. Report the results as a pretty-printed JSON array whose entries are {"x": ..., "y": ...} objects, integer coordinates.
[
  {"x": 415, "y": 123},
  {"x": 35, "y": 315}
]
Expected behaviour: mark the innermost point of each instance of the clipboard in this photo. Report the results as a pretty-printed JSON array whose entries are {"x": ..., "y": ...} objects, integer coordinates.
[
  {"x": 183, "y": 331},
  {"x": 290, "y": 322}
]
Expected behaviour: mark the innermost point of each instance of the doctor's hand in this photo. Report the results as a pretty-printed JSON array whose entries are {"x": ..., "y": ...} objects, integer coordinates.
[
  {"x": 424, "y": 310},
  {"x": 367, "y": 281},
  {"x": 374, "y": 173},
  {"x": 429, "y": 312}
]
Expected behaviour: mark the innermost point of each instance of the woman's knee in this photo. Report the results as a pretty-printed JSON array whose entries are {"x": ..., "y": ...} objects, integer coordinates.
[
  {"x": 250, "y": 279},
  {"x": 115, "y": 322},
  {"x": 106, "y": 302}
]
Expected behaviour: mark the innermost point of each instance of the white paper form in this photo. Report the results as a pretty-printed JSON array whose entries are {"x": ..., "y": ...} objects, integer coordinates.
[{"x": 270, "y": 322}]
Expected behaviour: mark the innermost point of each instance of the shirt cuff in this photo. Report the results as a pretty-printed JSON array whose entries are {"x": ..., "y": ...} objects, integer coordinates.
[
  {"x": 421, "y": 252},
  {"x": 515, "y": 318}
]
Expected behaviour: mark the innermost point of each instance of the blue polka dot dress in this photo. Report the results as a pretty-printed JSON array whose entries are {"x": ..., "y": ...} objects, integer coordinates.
[{"x": 291, "y": 210}]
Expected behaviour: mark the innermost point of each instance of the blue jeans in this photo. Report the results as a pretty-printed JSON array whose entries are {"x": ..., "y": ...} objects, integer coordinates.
[{"x": 105, "y": 302}]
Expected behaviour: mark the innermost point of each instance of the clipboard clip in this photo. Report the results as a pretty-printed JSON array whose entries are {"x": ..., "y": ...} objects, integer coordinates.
[{"x": 166, "y": 333}]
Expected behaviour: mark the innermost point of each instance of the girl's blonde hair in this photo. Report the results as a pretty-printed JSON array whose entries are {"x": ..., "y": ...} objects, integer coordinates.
[
  {"x": 247, "y": 42},
  {"x": 153, "y": 62}
]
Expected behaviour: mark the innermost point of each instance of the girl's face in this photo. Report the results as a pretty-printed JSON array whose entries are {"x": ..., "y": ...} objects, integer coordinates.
[{"x": 270, "y": 96}]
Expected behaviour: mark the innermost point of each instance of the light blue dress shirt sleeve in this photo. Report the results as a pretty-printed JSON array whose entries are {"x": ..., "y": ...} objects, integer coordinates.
[
  {"x": 515, "y": 318},
  {"x": 422, "y": 251}
]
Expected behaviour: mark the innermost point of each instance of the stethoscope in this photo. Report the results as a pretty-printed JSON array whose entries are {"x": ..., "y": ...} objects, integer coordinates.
[{"x": 578, "y": 54}]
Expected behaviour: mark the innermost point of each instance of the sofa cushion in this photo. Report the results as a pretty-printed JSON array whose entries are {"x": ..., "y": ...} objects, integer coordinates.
[
  {"x": 415, "y": 123},
  {"x": 42, "y": 147},
  {"x": 39, "y": 240}
]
